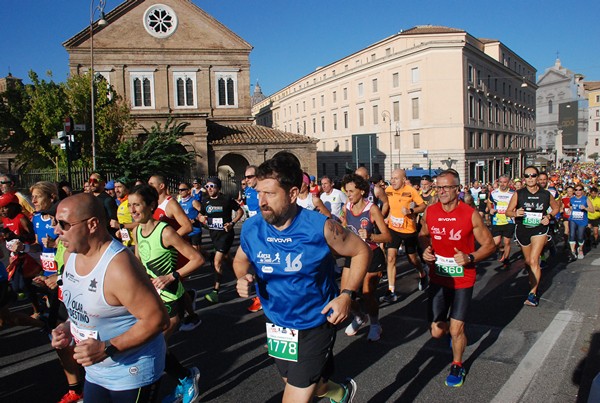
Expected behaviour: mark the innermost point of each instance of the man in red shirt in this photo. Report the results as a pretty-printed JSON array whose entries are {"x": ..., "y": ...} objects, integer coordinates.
[{"x": 450, "y": 228}]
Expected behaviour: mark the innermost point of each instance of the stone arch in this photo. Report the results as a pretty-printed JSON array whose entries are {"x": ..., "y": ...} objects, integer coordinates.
[{"x": 232, "y": 165}]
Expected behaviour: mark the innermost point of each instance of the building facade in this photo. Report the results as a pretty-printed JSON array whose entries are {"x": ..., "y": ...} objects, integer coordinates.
[
  {"x": 169, "y": 58},
  {"x": 593, "y": 93},
  {"x": 562, "y": 114},
  {"x": 428, "y": 97}
]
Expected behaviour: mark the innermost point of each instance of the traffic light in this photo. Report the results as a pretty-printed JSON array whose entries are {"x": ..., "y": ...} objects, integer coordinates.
[{"x": 74, "y": 150}]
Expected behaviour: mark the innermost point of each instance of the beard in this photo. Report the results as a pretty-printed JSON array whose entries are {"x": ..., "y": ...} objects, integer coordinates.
[{"x": 273, "y": 218}]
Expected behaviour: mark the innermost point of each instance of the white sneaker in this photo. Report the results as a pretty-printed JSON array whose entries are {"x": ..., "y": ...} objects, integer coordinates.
[
  {"x": 356, "y": 324},
  {"x": 375, "y": 331},
  {"x": 580, "y": 255}
]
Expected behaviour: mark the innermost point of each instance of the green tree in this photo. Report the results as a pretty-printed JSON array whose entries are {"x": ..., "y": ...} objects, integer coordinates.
[
  {"x": 44, "y": 117},
  {"x": 155, "y": 151},
  {"x": 13, "y": 108},
  {"x": 113, "y": 121}
]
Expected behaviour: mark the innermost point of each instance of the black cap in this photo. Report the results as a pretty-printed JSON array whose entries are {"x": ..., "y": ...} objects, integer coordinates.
[
  {"x": 376, "y": 178},
  {"x": 426, "y": 178},
  {"x": 215, "y": 180}
]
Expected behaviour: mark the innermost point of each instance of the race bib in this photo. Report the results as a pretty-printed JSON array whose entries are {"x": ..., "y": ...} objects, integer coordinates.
[
  {"x": 125, "y": 235},
  {"x": 251, "y": 213},
  {"x": 501, "y": 209},
  {"x": 482, "y": 196},
  {"x": 282, "y": 342},
  {"x": 215, "y": 223},
  {"x": 532, "y": 219},
  {"x": 397, "y": 222},
  {"x": 577, "y": 215},
  {"x": 82, "y": 334},
  {"x": 48, "y": 262},
  {"x": 447, "y": 267}
]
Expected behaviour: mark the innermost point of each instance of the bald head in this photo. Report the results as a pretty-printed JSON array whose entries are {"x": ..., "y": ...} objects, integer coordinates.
[
  {"x": 398, "y": 178},
  {"x": 362, "y": 172},
  {"x": 81, "y": 206}
]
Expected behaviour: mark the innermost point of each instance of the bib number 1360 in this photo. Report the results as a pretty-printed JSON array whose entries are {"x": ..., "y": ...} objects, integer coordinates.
[{"x": 282, "y": 342}]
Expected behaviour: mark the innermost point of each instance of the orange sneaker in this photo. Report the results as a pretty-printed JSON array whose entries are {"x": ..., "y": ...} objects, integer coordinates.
[
  {"x": 71, "y": 397},
  {"x": 256, "y": 305}
]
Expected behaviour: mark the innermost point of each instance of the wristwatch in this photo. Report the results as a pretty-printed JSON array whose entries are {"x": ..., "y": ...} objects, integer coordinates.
[
  {"x": 176, "y": 275},
  {"x": 351, "y": 293},
  {"x": 471, "y": 258},
  {"x": 109, "y": 349}
]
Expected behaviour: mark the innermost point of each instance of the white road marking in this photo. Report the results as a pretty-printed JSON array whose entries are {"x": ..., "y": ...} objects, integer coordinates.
[{"x": 517, "y": 384}]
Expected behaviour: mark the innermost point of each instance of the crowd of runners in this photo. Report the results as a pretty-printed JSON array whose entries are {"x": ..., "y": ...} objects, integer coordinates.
[{"x": 104, "y": 269}]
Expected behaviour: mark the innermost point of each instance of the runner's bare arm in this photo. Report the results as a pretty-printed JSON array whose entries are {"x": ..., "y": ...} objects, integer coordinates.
[
  {"x": 483, "y": 236},
  {"x": 343, "y": 242},
  {"x": 241, "y": 268},
  {"x": 175, "y": 211},
  {"x": 127, "y": 285},
  {"x": 320, "y": 207},
  {"x": 425, "y": 240}
]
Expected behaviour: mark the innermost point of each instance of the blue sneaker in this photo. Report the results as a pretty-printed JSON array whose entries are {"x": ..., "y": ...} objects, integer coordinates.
[
  {"x": 456, "y": 377},
  {"x": 175, "y": 396},
  {"x": 189, "y": 386}
]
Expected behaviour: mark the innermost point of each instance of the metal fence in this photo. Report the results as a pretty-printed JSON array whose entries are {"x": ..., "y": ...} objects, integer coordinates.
[{"x": 230, "y": 186}]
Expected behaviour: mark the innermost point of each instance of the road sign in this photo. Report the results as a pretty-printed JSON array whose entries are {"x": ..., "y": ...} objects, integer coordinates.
[
  {"x": 507, "y": 161},
  {"x": 480, "y": 163},
  {"x": 80, "y": 128},
  {"x": 68, "y": 124},
  {"x": 56, "y": 142}
]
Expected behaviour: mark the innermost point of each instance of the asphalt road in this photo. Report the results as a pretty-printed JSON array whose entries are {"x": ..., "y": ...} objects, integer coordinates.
[{"x": 515, "y": 353}]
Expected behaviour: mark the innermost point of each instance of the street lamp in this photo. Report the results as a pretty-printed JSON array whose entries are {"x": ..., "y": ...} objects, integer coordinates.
[
  {"x": 386, "y": 115},
  {"x": 101, "y": 22}
]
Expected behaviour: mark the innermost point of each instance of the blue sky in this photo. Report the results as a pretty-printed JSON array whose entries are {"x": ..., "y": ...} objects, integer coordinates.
[{"x": 319, "y": 32}]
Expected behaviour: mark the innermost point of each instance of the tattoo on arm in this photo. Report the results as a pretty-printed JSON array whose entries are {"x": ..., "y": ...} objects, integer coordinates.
[{"x": 337, "y": 230}]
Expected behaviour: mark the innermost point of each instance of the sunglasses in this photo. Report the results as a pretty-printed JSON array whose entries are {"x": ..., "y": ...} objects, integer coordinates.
[
  {"x": 94, "y": 181},
  {"x": 6, "y": 182},
  {"x": 530, "y": 175},
  {"x": 183, "y": 189},
  {"x": 579, "y": 190},
  {"x": 65, "y": 225},
  {"x": 250, "y": 176},
  {"x": 444, "y": 188},
  {"x": 209, "y": 186}
]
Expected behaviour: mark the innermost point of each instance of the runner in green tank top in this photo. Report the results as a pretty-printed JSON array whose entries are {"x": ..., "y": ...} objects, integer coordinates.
[{"x": 157, "y": 246}]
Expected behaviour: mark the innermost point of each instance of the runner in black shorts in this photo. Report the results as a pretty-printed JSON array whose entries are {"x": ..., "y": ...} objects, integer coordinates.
[
  {"x": 363, "y": 218},
  {"x": 216, "y": 213},
  {"x": 529, "y": 206},
  {"x": 450, "y": 230},
  {"x": 503, "y": 228}
]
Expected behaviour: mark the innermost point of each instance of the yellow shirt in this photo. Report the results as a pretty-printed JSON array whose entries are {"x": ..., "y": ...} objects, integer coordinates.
[
  {"x": 398, "y": 199},
  {"x": 124, "y": 217},
  {"x": 596, "y": 203}
]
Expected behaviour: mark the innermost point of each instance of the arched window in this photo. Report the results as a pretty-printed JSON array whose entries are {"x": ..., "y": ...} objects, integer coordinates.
[{"x": 550, "y": 107}]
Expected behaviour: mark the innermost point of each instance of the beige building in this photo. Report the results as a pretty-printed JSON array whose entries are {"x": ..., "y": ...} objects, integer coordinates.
[
  {"x": 593, "y": 92},
  {"x": 169, "y": 58},
  {"x": 426, "y": 97}
]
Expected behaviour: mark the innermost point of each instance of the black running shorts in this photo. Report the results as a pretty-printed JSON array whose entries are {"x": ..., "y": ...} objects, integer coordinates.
[
  {"x": 409, "y": 240},
  {"x": 505, "y": 231},
  {"x": 315, "y": 357},
  {"x": 447, "y": 303},
  {"x": 524, "y": 234},
  {"x": 222, "y": 240}
]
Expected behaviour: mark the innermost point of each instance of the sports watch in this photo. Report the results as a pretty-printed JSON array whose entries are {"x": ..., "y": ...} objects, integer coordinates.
[{"x": 351, "y": 293}]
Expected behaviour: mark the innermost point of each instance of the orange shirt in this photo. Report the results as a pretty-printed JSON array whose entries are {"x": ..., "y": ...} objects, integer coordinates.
[{"x": 402, "y": 197}]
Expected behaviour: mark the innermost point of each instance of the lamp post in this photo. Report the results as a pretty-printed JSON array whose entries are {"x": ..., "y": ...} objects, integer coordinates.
[
  {"x": 101, "y": 22},
  {"x": 386, "y": 115}
]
